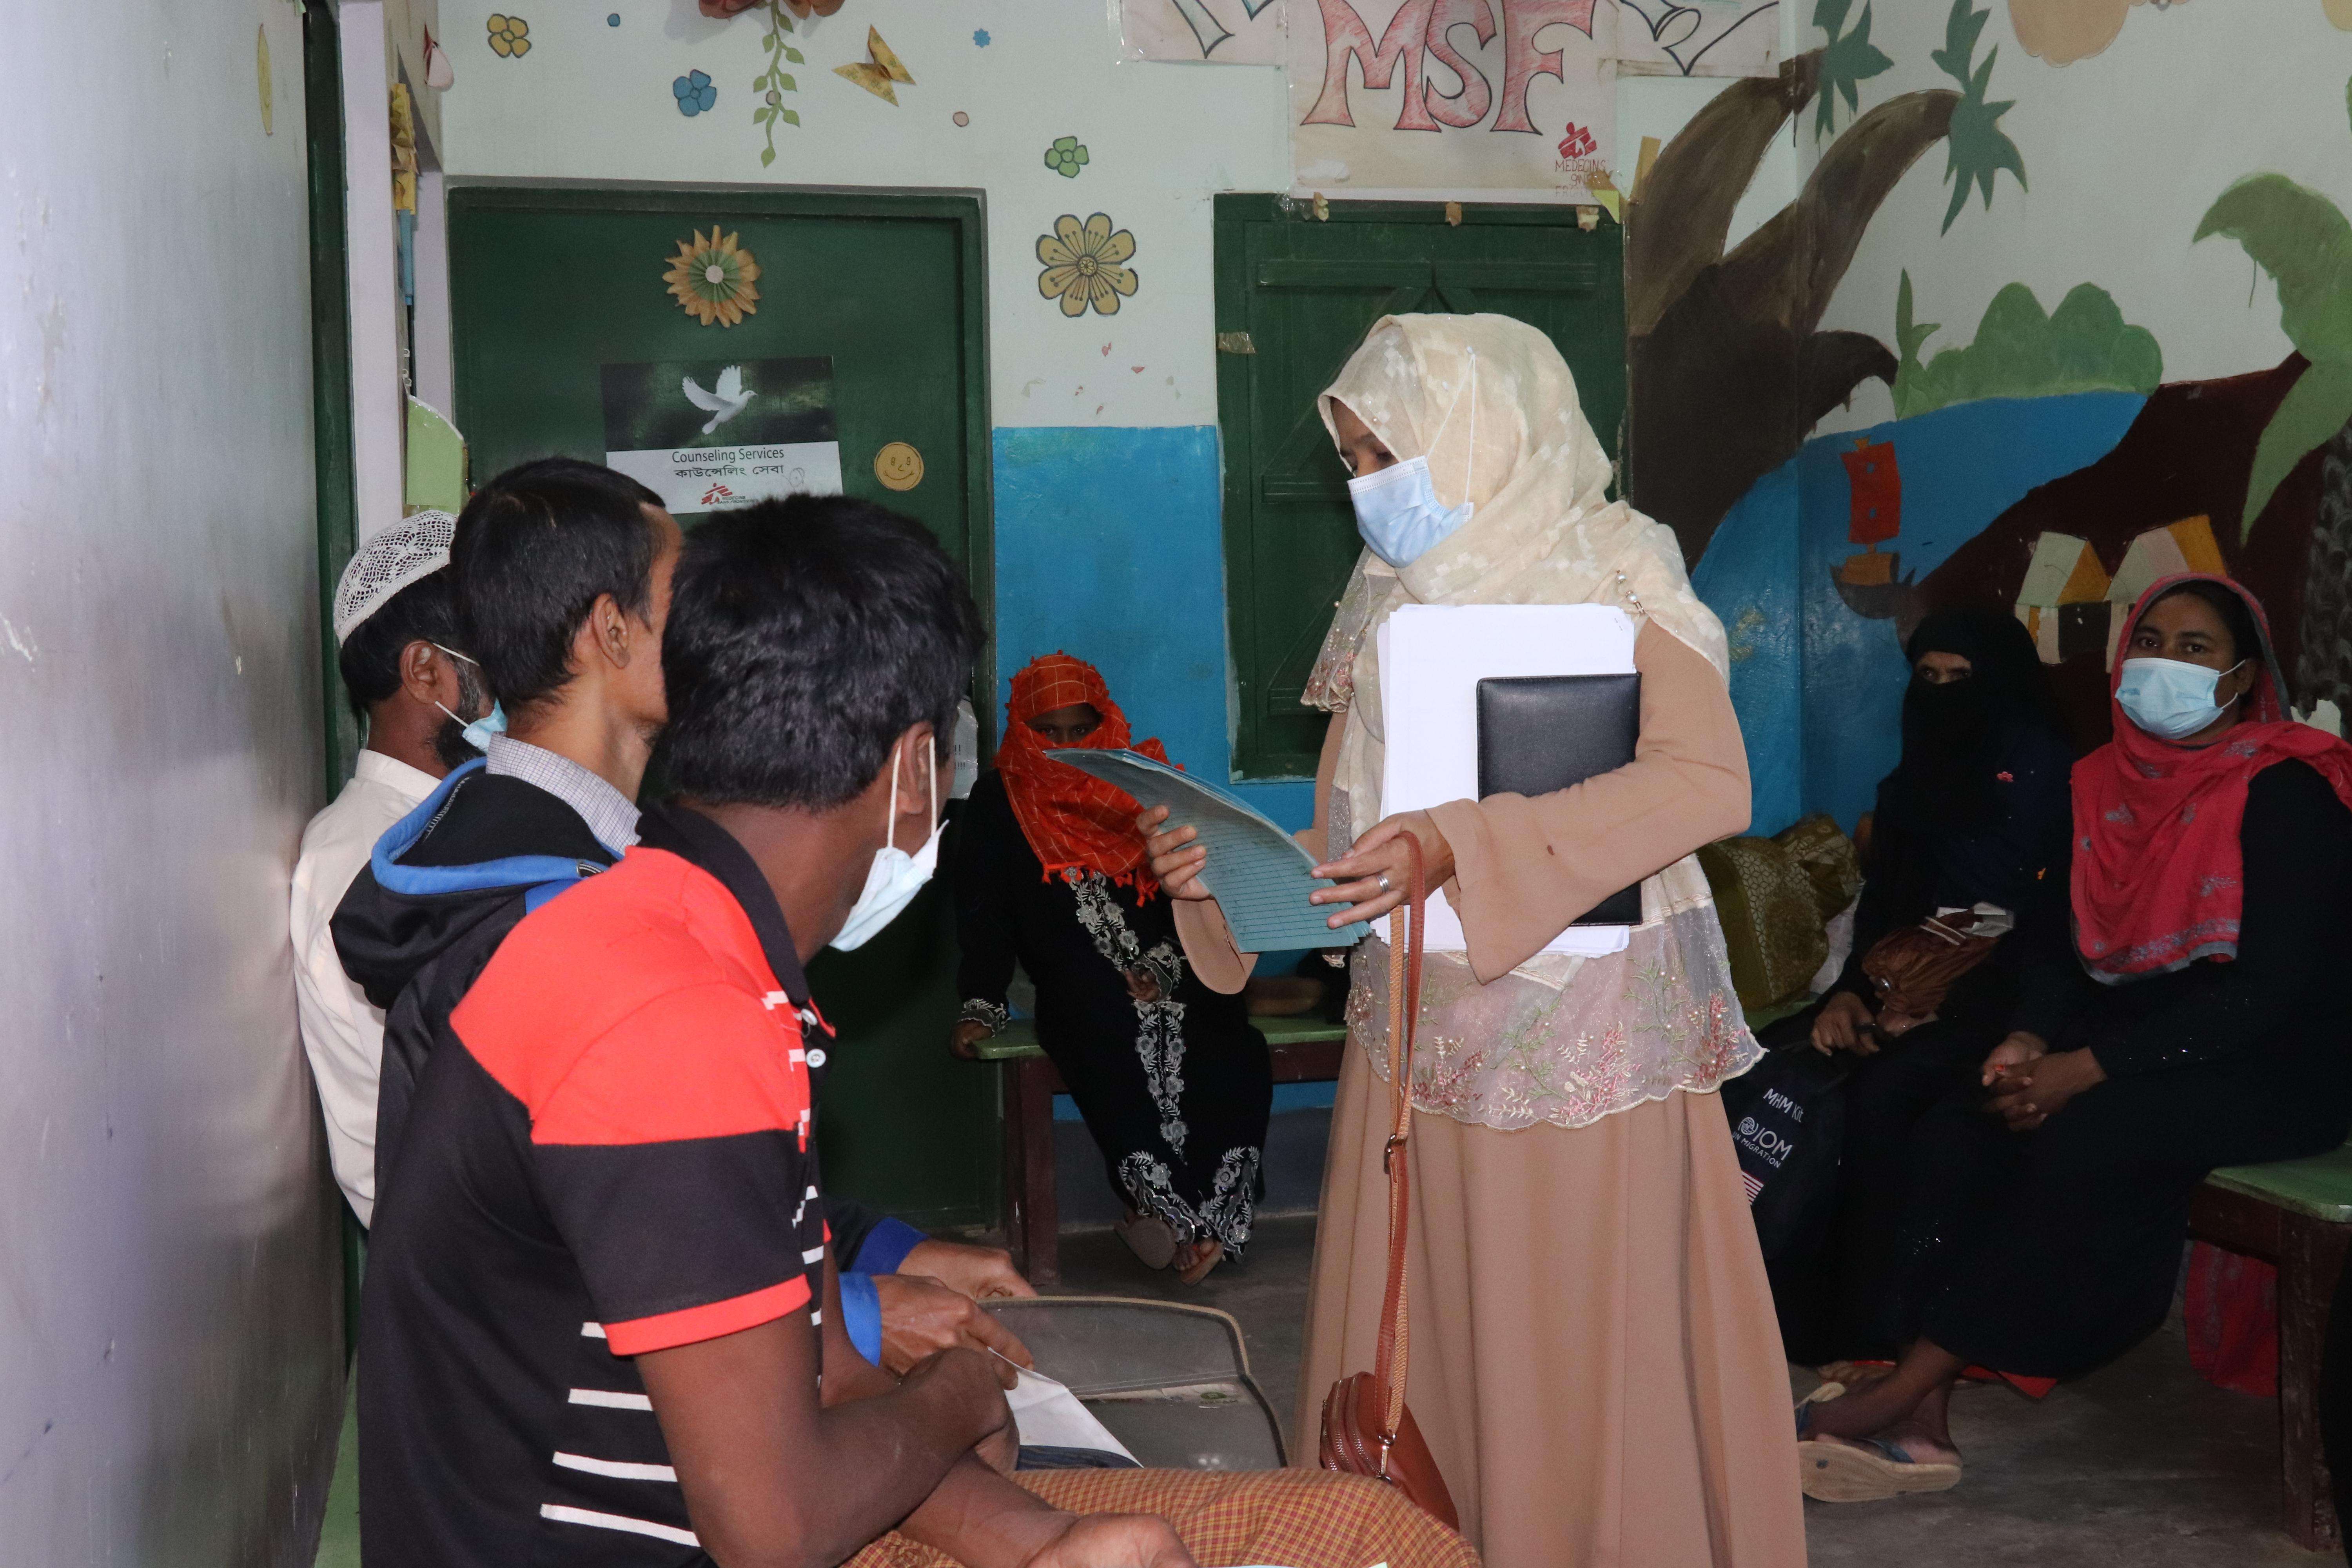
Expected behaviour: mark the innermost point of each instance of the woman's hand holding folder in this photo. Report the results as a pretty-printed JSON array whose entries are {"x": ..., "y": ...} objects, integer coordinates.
[
  {"x": 1372, "y": 875},
  {"x": 1382, "y": 852}
]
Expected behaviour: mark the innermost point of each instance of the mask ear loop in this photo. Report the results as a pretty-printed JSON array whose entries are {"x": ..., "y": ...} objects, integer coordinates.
[{"x": 891, "y": 812}]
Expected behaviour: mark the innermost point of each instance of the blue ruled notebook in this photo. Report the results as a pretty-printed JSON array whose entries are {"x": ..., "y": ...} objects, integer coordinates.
[{"x": 1259, "y": 873}]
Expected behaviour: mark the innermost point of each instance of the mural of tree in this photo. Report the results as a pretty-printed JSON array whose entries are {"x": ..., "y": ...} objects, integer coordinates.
[
  {"x": 2299, "y": 237},
  {"x": 1729, "y": 368},
  {"x": 2301, "y": 240},
  {"x": 2020, "y": 351}
]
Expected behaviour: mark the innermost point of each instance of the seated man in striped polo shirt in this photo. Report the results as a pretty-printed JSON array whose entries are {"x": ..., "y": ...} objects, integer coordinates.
[{"x": 602, "y": 1322}]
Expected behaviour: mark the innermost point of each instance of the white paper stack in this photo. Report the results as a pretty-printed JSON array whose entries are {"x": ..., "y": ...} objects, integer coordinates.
[
  {"x": 1431, "y": 659},
  {"x": 1050, "y": 1417}
]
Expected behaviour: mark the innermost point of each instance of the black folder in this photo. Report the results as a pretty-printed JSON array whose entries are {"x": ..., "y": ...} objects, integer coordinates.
[{"x": 1540, "y": 733}]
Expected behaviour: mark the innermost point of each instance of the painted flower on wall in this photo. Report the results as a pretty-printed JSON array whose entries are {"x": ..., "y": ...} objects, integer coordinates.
[
  {"x": 1082, "y": 264},
  {"x": 695, "y": 93},
  {"x": 1065, "y": 157},
  {"x": 714, "y": 279},
  {"x": 510, "y": 37}
]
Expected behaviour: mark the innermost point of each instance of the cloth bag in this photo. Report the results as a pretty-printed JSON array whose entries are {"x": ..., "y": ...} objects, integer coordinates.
[
  {"x": 1788, "y": 1116},
  {"x": 1771, "y": 916},
  {"x": 1367, "y": 1430}
]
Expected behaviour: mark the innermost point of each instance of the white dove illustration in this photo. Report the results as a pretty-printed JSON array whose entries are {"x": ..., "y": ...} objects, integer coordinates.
[{"x": 729, "y": 400}]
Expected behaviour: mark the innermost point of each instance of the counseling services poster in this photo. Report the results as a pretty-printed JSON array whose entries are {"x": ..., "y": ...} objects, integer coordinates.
[{"x": 707, "y": 434}]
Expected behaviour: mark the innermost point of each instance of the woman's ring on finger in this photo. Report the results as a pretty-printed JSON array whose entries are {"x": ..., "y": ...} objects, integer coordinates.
[{"x": 1384, "y": 882}]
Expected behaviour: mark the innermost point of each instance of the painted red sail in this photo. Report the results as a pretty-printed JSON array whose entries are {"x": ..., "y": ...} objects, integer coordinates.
[{"x": 1877, "y": 487}]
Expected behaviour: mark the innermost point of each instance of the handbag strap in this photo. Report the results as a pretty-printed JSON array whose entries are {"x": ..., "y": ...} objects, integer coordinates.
[{"x": 1404, "y": 1013}]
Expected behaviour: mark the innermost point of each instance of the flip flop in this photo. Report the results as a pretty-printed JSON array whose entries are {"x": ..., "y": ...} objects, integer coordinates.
[
  {"x": 1863, "y": 1469},
  {"x": 1148, "y": 1236}
]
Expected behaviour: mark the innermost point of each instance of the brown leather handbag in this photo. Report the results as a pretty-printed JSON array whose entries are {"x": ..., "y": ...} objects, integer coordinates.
[
  {"x": 1367, "y": 1430},
  {"x": 1913, "y": 969}
]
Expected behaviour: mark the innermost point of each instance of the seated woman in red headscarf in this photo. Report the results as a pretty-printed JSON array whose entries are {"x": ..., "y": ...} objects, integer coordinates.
[
  {"x": 2184, "y": 1011},
  {"x": 1174, "y": 1083}
]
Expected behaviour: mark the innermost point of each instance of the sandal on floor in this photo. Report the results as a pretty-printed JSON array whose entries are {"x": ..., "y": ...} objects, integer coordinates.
[
  {"x": 1148, "y": 1236},
  {"x": 1861, "y": 1470}
]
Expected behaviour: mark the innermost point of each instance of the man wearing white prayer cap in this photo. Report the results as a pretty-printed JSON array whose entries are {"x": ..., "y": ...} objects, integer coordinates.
[{"x": 426, "y": 711}]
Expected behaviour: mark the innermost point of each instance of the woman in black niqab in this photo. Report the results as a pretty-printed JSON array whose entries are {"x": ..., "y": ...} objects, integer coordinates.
[
  {"x": 1975, "y": 812},
  {"x": 1976, "y": 807}
]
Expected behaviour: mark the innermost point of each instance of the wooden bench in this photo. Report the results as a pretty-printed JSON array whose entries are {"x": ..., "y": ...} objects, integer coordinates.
[
  {"x": 1305, "y": 1050},
  {"x": 2297, "y": 1214}
]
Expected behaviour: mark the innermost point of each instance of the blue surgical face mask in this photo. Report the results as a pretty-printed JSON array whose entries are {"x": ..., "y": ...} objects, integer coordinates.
[
  {"x": 2168, "y": 698},
  {"x": 896, "y": 876},
  {"x": 1397, "y": 513},
  {"x": 478, "y": 734}
]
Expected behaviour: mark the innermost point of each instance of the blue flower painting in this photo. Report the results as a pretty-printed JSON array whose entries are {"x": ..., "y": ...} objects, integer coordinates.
[{"x": 695, "y": 94}]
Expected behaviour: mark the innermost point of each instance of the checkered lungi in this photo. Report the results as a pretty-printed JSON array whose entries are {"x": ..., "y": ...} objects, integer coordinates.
[{"x": 1299, "y": 1518}]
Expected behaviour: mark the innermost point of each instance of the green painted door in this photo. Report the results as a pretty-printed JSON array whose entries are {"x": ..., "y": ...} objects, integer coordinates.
[
  {"x": 548, "y": 288},
  {"x": 1295, "y": 295}
]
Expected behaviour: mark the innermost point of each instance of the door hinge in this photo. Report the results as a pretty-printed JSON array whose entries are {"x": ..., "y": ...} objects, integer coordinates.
[{"x": 1235, "y": 343}]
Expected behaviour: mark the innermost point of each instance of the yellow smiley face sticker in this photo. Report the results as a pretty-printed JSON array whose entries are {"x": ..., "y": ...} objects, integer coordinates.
[{"x": 899, "y": 466}]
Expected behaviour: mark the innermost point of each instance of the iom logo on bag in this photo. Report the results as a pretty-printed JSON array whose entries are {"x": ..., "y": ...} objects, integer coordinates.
[{"x": 1762, "y": 1142}]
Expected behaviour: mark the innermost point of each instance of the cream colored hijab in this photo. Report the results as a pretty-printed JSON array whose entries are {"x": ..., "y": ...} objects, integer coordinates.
[{"x": 1542, "y": 530}]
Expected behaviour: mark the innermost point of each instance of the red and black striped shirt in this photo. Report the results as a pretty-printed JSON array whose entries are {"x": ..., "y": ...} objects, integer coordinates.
[{"x": 618, "y": 1160}]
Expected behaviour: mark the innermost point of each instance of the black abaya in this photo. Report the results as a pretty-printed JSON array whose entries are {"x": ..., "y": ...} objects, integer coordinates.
[
  {"x": 2047, "y": 1253},
  {"x": 1175, "y": 1084}
]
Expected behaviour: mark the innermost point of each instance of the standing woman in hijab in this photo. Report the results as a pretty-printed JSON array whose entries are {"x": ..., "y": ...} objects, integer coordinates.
[
  {"x": 1974, "y": 814},
  {"x": 2192, "y": 1016},
  {"x": 1173, "y": 1082},
  {"x": 1594, "y": 1362}
]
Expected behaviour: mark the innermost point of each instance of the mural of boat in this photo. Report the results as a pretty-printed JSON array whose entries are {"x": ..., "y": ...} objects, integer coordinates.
[{"x": 1866, "y": 581}]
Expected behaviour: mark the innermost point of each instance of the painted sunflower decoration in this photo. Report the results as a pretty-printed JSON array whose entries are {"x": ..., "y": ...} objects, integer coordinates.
[
  {"x": 714, "y": 279},
  {"x": 1082, "y": 264}
]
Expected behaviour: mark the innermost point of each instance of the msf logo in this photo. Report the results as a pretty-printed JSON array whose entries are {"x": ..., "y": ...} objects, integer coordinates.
[{"x": 1427, "y": 28}]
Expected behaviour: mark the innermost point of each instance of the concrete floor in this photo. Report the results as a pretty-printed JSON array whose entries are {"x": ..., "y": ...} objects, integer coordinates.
[{"x": 2143, "y": 1465}]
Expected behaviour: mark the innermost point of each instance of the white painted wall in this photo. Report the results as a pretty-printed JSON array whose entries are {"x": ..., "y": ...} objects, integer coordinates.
[
  {"x": 2124, "y": 151},
  {"x": 169, "y": 1297},
  {"x": 591, "y": 101}
]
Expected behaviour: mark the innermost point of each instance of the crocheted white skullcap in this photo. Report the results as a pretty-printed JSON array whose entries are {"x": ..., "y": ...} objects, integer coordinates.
[{"x": 411, "y": 548}]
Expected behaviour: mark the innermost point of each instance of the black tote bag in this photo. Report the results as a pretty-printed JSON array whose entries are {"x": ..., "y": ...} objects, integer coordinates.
[{"x": 1787, "y": 1124}]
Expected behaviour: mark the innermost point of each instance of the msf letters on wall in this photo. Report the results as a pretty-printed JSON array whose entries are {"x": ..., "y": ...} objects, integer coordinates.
[{"x": 1408, "y": 96}]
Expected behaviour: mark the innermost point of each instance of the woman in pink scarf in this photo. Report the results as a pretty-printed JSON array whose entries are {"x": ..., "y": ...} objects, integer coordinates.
[{"x": 2186, "y": 1012}]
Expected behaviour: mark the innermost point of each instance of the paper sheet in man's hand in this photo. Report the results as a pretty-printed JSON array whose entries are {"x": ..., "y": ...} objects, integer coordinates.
[{"x": 1258, "y": 874}]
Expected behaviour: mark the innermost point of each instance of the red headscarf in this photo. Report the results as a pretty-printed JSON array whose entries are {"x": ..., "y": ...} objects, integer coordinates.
[
  {"x": 1072, "y": 819},
  {"x": 2159, "y": 873}
]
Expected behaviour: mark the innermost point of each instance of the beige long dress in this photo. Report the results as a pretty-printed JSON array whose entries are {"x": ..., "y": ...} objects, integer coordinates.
[{"x": 1595, "y": 1359}]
